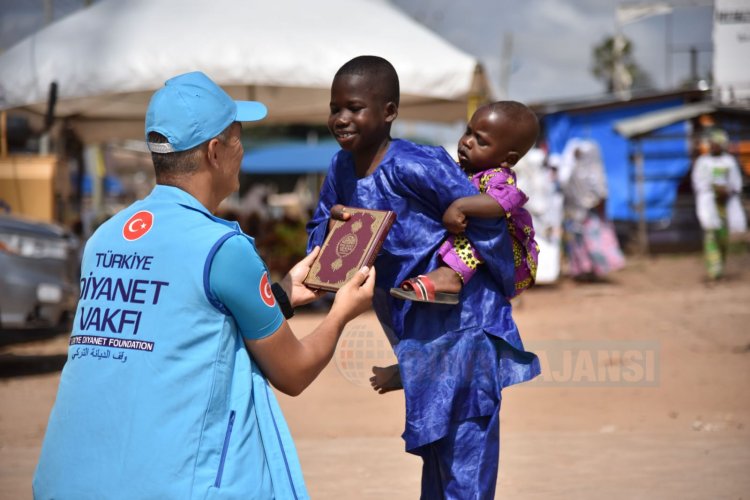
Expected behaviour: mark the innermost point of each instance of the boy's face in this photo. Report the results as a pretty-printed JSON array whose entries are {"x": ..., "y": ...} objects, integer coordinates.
[
  {"x": 359, "y": 117},
  {"x": 487, "y": 142}
]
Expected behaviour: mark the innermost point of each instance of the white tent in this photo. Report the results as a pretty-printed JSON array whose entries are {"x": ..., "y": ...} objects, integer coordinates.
[{"x": 107, "y": 59}]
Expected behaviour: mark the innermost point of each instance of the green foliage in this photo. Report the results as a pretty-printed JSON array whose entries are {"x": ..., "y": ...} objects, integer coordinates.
[{"x": 605, "y": 58}]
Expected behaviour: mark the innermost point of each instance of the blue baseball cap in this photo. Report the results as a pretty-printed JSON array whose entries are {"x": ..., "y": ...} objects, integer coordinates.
[{"x": 191, "y": 109}]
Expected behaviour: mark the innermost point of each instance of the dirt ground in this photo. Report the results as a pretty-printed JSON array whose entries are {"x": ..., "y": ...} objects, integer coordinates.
[{"x": 644, "y": 395}]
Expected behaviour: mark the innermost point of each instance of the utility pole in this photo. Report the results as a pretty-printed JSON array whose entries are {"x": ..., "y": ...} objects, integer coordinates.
[
  {"x": 506, "y": 61},
  {"x": 668, "y": 49},
  {"x": 640, "y": 183},
  {"x": 49, "y": 11},
  {"x": 694, "y": 51}
]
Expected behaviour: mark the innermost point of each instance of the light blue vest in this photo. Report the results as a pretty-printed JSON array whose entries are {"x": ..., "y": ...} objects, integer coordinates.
[{"x": 159, "y": 398}]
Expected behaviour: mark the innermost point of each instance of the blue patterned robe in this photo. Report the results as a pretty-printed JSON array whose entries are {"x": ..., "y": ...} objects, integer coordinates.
[{"x": 454, "y": 360}]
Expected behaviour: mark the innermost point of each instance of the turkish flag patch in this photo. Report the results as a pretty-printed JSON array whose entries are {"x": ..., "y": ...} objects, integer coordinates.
[
  {"x": 138, "y": 225},
  {"x": 265, "y": 291}
]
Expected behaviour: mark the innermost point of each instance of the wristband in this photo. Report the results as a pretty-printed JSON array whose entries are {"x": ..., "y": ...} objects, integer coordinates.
[{"x": 283, "y": 300}]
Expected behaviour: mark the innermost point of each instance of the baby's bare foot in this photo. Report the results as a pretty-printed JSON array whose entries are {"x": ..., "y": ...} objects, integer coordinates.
[
  {"x": 386, "y": 379},
  {"x": 445, "y": 280}
]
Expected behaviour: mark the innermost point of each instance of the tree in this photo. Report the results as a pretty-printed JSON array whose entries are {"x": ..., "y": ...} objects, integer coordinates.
[{"x": 613, "y": 63}]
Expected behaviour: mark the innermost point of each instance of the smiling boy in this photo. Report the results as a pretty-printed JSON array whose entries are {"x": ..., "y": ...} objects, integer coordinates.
[{"x": 454, "y": 360}]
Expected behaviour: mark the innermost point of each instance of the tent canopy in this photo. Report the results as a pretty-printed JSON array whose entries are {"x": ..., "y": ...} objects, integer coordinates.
[{"x": 108, "y": 59}]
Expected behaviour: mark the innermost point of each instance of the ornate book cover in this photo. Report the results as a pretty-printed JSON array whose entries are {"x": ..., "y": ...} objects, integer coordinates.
[{"x": 349, "y": 245}]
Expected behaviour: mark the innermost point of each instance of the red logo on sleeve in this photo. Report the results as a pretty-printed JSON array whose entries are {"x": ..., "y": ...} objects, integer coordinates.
[
  {"x": 265, "y": 291},
  {"x": 138, "y": 225}
]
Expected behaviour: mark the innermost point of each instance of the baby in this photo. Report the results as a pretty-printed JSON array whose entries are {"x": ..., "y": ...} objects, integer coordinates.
[{"x": 497, "y": 136}]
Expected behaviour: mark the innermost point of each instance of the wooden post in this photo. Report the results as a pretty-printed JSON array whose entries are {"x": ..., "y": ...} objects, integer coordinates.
[
  {"x": 640, "y": 187},
  {"x": 3, "y": 134},
  {"x": 477, "y": 93}
]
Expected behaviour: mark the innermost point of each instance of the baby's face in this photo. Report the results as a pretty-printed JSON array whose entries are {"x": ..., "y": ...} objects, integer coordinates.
[{"x": 486, "y": 143}]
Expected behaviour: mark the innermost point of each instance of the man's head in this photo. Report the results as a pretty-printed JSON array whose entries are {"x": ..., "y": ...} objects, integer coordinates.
[
  {"x": 498, "y": 133},
  {"x": 364, "y": 102},
  {"x": 717, "y": 142},
  {"x": 188, "y": 117}
]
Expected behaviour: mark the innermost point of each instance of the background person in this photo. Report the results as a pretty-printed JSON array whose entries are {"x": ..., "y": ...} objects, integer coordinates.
[
  {"x": 178, "y": 332},
  {"x": 717, "y": 184},
  {"x": 590, "y": 241},
  {"x": 537, "y": 177}
]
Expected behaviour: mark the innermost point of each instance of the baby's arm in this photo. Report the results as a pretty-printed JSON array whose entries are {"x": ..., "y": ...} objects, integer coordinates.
[{"x": 478, "y": 205}]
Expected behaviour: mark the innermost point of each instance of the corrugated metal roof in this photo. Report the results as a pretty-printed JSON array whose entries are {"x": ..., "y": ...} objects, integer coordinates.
[{"x": 653, "y": 120}]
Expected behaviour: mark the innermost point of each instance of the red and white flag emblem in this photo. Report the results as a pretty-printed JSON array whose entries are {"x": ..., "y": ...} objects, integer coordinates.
[
  {"x": 138, "y": 225},
  {"x": 265, "y": 291}
]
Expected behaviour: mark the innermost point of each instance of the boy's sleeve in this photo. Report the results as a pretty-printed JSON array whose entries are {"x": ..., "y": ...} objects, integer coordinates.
[
  {"x": 239, "y": 280},
  {"x": 434, "y": 178}
]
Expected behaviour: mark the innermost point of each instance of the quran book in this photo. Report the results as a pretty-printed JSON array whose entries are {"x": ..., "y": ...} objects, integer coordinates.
[{"x": 349, "y": 245}]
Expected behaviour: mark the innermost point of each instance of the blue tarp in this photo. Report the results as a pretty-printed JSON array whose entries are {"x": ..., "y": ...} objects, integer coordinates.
[
  {"x": 290, "y": 158},
  {"x": 666, "y": 156}
]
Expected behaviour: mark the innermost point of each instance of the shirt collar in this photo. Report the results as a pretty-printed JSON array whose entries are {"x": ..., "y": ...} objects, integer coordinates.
[
  {"x": 174, "y": 194},
  {"x": 163, "y": 192}
]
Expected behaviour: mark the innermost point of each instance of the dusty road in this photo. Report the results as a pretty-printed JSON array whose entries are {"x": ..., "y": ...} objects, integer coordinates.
[{"x": 644, "y": 395}]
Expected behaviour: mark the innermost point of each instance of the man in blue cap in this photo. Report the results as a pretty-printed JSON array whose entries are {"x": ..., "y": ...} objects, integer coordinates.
[{"x": 178, "y": 332}]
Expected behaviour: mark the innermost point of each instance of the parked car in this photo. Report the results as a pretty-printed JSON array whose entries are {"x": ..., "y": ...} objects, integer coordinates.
[{"x": 39, "y": 273}]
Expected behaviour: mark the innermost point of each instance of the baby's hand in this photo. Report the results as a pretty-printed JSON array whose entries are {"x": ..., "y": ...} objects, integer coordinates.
[{"x": 454, "y": 220}]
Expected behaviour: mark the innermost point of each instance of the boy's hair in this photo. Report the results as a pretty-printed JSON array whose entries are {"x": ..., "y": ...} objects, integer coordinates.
[
  {"x": 525, "y": 120},
  {"x": 377, "y": 68}
]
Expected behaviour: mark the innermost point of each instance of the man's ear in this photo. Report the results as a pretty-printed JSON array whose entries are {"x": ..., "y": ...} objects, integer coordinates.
[
  {"x": 391, "y": 112},
  {"x": 512, "y": 158},
  {"x": 212, "y": 153}
]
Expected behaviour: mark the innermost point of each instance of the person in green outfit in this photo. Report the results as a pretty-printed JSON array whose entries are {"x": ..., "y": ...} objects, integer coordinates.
[{"x": 717, "y": 184}]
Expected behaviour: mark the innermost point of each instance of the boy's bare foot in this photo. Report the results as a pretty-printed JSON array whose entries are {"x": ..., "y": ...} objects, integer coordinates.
[
  {"x": 445, "y": 280},
  {"x": 386, "y": 379}
]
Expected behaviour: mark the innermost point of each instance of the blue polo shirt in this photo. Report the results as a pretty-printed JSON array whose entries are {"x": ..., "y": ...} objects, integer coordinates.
[{"x": 159, "y": 397}]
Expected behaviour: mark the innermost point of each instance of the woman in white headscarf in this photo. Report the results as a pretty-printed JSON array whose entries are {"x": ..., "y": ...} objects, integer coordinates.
[
  {"x": 536, "y": 176},
  {"x": 590, "y": 242}
]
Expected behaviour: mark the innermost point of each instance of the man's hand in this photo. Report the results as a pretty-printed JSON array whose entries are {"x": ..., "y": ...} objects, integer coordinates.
[
  {"x": 298, "y": 293},
  {"x": 355, "y": 297},
  {"x": 454, "y": 219},
  {"x": 291, "y": 364}
]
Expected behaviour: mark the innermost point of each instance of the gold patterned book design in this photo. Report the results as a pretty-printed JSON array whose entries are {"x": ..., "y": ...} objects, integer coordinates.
[{"x": 349, "y": 245}]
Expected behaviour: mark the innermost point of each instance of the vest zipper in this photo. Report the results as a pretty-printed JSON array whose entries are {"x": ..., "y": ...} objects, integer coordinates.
[
  {"x": 281, "y": 447},
  {"x": 217, "y": 483}
]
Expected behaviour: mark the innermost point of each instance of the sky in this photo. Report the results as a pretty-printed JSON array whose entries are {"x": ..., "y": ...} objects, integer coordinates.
[{"x": 552, "y": 40}]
